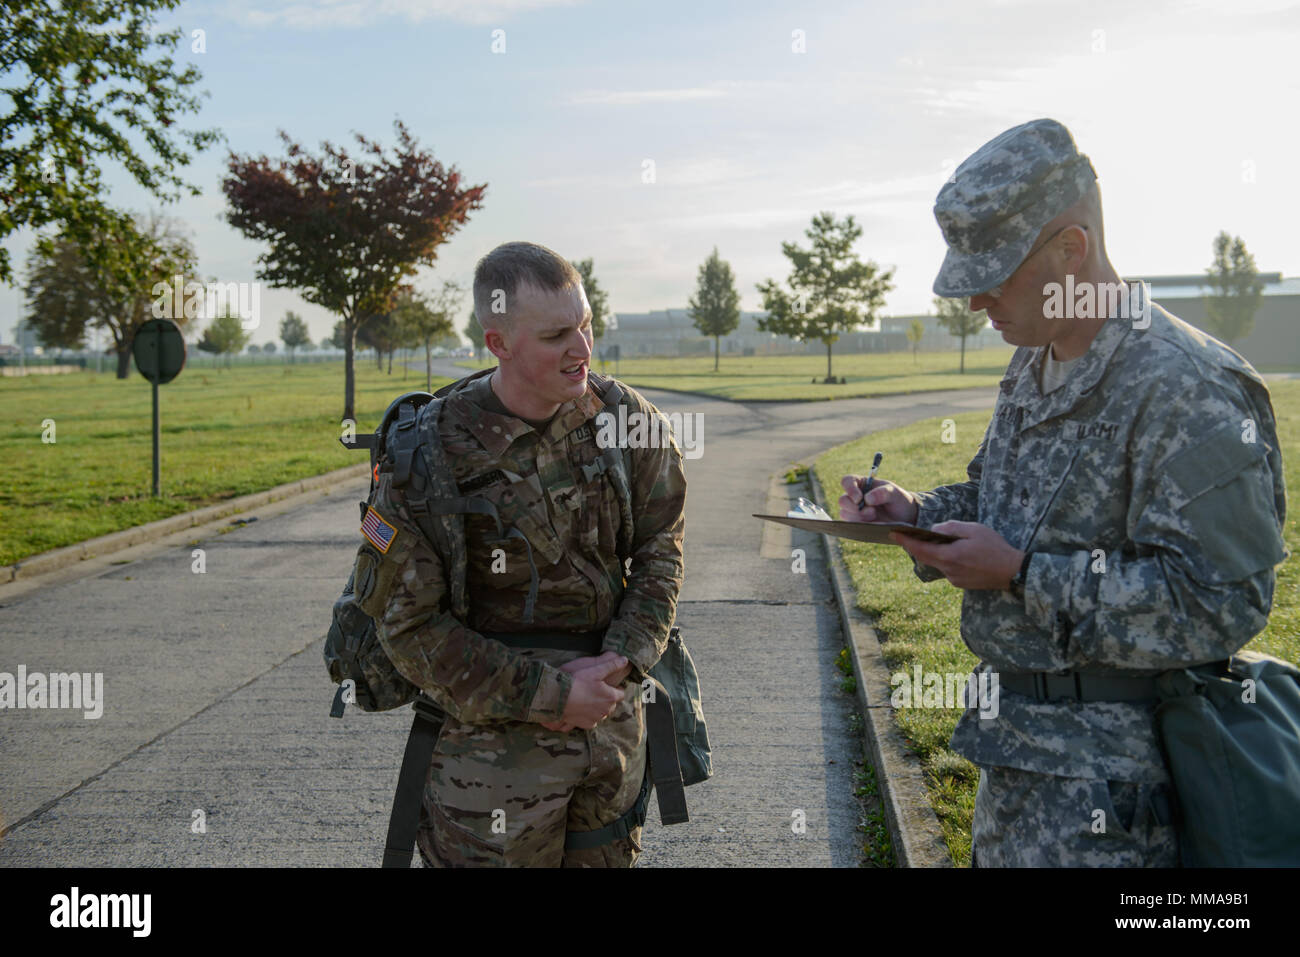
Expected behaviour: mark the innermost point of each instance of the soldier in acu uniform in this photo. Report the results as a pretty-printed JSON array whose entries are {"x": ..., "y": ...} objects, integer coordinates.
[
  {"x": 1122, "y": 517},
  {"x": 546, "y": 734}
]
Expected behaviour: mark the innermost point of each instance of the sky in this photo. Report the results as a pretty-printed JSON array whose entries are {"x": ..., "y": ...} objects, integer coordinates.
[{"x": 756, "y": 116}]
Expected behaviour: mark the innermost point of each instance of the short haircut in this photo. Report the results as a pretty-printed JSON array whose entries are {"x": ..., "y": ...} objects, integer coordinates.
[{"x": 502, "y": 271}]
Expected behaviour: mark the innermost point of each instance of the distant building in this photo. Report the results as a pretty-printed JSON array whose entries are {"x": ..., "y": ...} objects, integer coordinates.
[
  {"x": 25, "y": 338},
  {"x": 1275, "y": 338},
  {"x": 938, "y": 339},
  {"x": 670, "y": 332}
]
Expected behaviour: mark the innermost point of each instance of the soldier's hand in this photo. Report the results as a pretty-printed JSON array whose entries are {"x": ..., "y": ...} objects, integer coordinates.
[
  {"x": 591, "y": 698},
  {"x": 886, "y": 502},
  {"x": 979, "y": 559},
  {"x": 614, "y": 679}
]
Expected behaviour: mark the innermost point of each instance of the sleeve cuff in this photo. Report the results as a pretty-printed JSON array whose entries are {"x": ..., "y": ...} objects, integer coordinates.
[
  {"x": 639, "y": 652},
  {"x": 552, "y": 695},
  {"x": 927, "y": 515}
]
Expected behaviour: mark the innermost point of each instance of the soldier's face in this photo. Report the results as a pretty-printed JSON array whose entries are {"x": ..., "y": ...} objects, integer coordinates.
[
  {"x": 550, "y": 340},
  {"x": 1019, "y": 313}
]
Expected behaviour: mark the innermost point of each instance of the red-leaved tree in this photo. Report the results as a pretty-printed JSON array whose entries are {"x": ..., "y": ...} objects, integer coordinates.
[{"x": 346, "y": 233}]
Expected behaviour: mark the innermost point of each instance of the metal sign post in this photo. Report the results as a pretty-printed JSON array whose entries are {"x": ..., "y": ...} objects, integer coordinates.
[{"x": 159, "y": 352}]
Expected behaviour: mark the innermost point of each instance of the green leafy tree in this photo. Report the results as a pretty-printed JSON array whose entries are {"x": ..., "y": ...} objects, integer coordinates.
[
  {"x": 474, "y": 332},
  {"x": 915, "y": 333},
  {"x": 715, "y": 308},
  {"x": 268, "y": 347},
  {"x": 225, "y": 335},
  {"x": 1237, "y": 290},
  {"x": 131, "y": 280},
  {"x": 380, "y": 333},
  {"x": 337, "y": 337},
  {"x": 293, "y": 333},
  {"x": 597, "y": 298},
  {"x": 830, "y": 289},
  {"x": 955, "y": 316},
  {"x": 347, "y": 233},
  {"x": 427, "y": 320},
  {"x": 89, "y": 82}
]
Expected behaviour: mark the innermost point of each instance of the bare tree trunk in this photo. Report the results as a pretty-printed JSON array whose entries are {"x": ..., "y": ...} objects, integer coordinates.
[
  {"x": 123, "y": 362},
  {"x": 428, "y": 365},
  {"x": 349, "y": 373},
  {"x": 828, "y": 362},
  {"x": 716, "y": 347},
  {"x": 963, "y": 355}
]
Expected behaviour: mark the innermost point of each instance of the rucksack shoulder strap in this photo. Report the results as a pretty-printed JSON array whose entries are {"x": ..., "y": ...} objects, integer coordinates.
[
  {"x": 616, "y": 462},
  {"x": 421, "y": 470}
]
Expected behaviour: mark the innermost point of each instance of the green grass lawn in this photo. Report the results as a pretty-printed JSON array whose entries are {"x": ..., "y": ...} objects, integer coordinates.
[
  {"x": 790, "y": 377},
  {"x": 230, "y": 432},
  {"x": 225, "y": 433},
  {"x": 920, "y": 624}
]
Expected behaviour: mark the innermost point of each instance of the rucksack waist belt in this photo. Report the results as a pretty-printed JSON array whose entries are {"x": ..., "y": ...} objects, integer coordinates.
[
  {"x": 1078, "y": 686},
  {"x": 587, "y": 641}
]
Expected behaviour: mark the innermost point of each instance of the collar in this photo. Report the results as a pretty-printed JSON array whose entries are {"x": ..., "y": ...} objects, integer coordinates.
[
  {"x": 497, "y": 432},
  {"x": 1083, "y": 379}
]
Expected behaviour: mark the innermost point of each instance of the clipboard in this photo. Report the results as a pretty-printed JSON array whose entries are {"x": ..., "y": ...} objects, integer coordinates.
[{"x": 875, "y": 532}]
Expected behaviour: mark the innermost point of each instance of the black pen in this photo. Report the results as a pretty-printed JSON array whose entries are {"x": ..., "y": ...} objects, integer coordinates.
[{"x": 871, "y": 477}]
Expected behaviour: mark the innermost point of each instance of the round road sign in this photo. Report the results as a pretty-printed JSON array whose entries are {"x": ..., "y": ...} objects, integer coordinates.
[{"x": 159, "y": 350}]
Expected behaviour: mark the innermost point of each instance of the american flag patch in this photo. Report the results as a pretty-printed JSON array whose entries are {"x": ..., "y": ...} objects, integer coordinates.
[{"x": 378, "y": 532}]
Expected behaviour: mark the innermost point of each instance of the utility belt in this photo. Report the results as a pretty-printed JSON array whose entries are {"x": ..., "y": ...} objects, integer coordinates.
[
  {"x": 587, "y": 642},
  {"x": 663, "y": 770},
  {"x": 1078, "y": 686}
]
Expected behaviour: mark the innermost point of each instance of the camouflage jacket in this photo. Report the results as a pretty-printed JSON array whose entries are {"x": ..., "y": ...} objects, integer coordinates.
[
  {"x": 1149, "y": 489},
  {"x": 572, "y": 528}
]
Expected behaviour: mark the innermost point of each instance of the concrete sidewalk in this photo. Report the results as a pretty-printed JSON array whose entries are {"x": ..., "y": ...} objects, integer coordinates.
[{"x": 216, "y": 697}]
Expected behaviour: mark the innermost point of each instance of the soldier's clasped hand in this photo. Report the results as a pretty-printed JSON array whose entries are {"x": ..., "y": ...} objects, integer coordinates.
[{"x": 596, "y": 691}]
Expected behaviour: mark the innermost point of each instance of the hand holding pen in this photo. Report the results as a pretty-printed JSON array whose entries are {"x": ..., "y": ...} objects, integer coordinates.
[
  {"x": 893, "y": 504},
  {"x": 871, "y": 477}
]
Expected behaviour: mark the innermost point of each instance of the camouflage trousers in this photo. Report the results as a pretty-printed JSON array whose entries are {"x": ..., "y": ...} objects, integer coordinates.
[
  {"x": 505, "y": 794},
  {"x": 1024, "y": 819}
]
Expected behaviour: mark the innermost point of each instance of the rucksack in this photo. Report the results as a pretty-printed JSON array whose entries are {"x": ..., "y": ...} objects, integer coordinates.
[
  {"x": 406, "y": 442},
  {"x": 1231, "y": 735}
]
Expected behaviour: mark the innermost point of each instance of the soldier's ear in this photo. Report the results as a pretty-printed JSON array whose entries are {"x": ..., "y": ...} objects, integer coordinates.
[
  {"x": 1074, "y": 247},
  {"x": 497, "y": 343}
]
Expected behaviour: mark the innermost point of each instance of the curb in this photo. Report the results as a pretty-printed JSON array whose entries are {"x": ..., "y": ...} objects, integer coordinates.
[
  {"x": 57, "y": 558},
  {"x": 913, "y": 827}
]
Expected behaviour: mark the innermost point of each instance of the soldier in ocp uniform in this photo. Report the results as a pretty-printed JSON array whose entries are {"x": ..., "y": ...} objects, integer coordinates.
[
  {"x": 546, "y": 733},
  {"x": 1122, "y": 517}
]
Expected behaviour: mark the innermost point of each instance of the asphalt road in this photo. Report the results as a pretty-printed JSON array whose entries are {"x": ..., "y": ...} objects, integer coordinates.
[{"x": 215, "y": 696}]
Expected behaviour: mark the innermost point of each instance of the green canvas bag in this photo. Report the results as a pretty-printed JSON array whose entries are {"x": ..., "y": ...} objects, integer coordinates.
[{"x": 1231, "y": 735}]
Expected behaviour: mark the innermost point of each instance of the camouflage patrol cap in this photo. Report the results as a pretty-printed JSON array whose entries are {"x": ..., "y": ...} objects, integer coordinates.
[{"x": 1000, "y": 198}]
